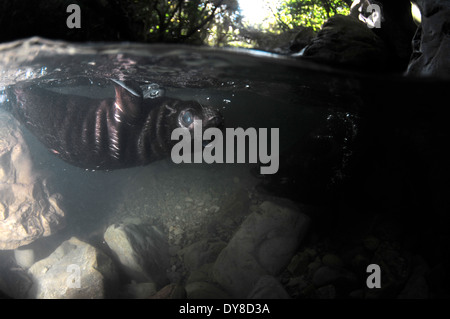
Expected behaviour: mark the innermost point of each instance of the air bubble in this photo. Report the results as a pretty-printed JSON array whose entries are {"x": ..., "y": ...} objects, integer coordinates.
[{"x": 152, "y": 91}]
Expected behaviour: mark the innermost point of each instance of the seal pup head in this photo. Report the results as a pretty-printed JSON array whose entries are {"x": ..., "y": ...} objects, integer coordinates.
[{"x": 161, "y": 116}]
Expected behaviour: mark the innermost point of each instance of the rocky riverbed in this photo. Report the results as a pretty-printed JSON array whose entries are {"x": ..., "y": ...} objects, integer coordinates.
[{"x": 209, "y": 232}]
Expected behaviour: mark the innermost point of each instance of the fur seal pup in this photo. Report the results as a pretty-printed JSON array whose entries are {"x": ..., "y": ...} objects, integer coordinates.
[{"x": 112, "y": 133}]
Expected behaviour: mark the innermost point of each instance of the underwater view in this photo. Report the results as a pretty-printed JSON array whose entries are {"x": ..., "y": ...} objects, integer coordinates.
[{"x": 168, "y": 171}]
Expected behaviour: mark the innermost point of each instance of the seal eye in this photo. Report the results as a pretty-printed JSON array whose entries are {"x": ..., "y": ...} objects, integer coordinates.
[{"x": 187, "y": 118}]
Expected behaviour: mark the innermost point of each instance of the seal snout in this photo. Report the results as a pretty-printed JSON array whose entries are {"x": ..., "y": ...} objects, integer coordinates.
[{"x": 215, "y": 121}]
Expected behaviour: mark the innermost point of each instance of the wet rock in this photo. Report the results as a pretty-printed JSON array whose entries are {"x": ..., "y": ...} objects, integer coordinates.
[
  {"x": 263, "y": 245},
  {"x": 395, "y": 264},
  {"x": 202, "y": 252},
  {"x": 357, "y": 294},
  {"x": 326, "y": 292},
  {"x": 204, "y": 290},
  {"x": 201, "y": 274},
  {"x": 371, "y": 243},
  {"x": 326, "y": 275},
  {"x": 15, "y": 282},
  {"x": 171, "y": 291},
  {"x": 27, "y": 210},
  {"x": 417, "y": 287},
  {"x": 346, "y": 41},
  {"x": 142, "y": 251},
  {"x": 332, "y": 260},
  {"x": 299, "y": 264},
  {"x": 143, "y": 290},
  {"x": 74, "y": 270},
  {"x": 431, "y": 43},
  {"x": 24, "y": 257},
  {"x": 268, "y": 287},
  {"x": 302, "y": 39}
]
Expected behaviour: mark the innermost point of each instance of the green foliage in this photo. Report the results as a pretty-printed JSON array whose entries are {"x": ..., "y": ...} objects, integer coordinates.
[
  {"x": 308, "y": 13},
  {"x": 219, "y": 22},
  {"x": 181, "y": 21}
]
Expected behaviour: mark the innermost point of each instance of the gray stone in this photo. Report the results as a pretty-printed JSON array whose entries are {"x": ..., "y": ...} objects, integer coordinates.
[
  {"x": 201, "y": 274},
  {"x": 171, "y": 291},
  {"x": 302, "y": 38},
  {"x": 417, "y": 286},
  {"x": 24, "y": 257},
  {"x": 268, "y": 287},
  {"x": 204, "y": 290},
  {"x": 332, "y": 260},
  {"x": 74, "y": 270},
  {"x": 27, "y": 210},
  {"x": 200, "y": 253},
  {"x": 326, "y": 275},
  {"x": 143, "y": 290},
  {"x": 263, "y": 245},
  {"x": 326, "y": 292},
  {"x": 142, "y": 251}
]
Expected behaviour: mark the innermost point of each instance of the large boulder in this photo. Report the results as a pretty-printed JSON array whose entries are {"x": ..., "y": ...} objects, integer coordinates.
[
  {"x": 74, "y": 270},
  {"x": 348, "y": 42},
  {"x": 263, "y": 245},
  {"x": 431, "y": 43},
  {"x": 142, "y": 250},
  {"x": 27, "y": 210}
]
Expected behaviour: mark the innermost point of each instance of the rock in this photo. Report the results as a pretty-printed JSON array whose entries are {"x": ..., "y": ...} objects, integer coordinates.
[
  {"x": 431, "y": 43},
  {"x": 268, "y": 287},
  {"x": 74, "y": 270},
  {"x": 298, "y": 264},
  {"x": 357, "y": 294},
  {"x": 201, "y": 274},
  {"x": 143, "y": 290},
  {"x": 326, "y": 275},
  {"x": 371, "y": 243},
  {"x": 15, "y": 282},
  {"x": 202, "y": 252},
  {"x": 417, "y": 287},
  {"x": 142, "y": 251},
  {"x": 326, "y": 292},
  {"x": 27, "y": 210},
  {"x": 204, "y": 290},
  {"x": 302, "y": 38},
  {"x": 171, "y": 291},
  {"x": 346, "y": 41},
  {"x": 24, "y": 257},
  {"x": 332, "y": 261},
  {"x": 263, "y": 245}
]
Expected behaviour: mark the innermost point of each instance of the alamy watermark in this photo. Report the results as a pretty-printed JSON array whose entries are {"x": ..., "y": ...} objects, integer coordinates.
[
  {"x": 374, "y": 279},
  {"x": 74, "y": 19},
  {"x": 214, "y": 151}
]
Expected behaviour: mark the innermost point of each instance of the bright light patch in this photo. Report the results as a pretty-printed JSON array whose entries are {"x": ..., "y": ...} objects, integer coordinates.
[{"x": 257, "y": 12}]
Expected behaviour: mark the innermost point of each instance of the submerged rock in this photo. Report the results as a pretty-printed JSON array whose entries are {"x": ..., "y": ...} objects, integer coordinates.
[
  {"x": 263, "y": 245},
  {"x": 268, "y": 287},
  {"x": 143, "y": 290},
  {"x": 200, "y": 253},
  {"x": 24, "y": 257},
  {"x": 171, "y": 291},
  {"x": 27, "y": 210},
  {"x": 74, "y": 270},
  {"x": 142, "y": 251},
  {"x": 204, "y": 290}
]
